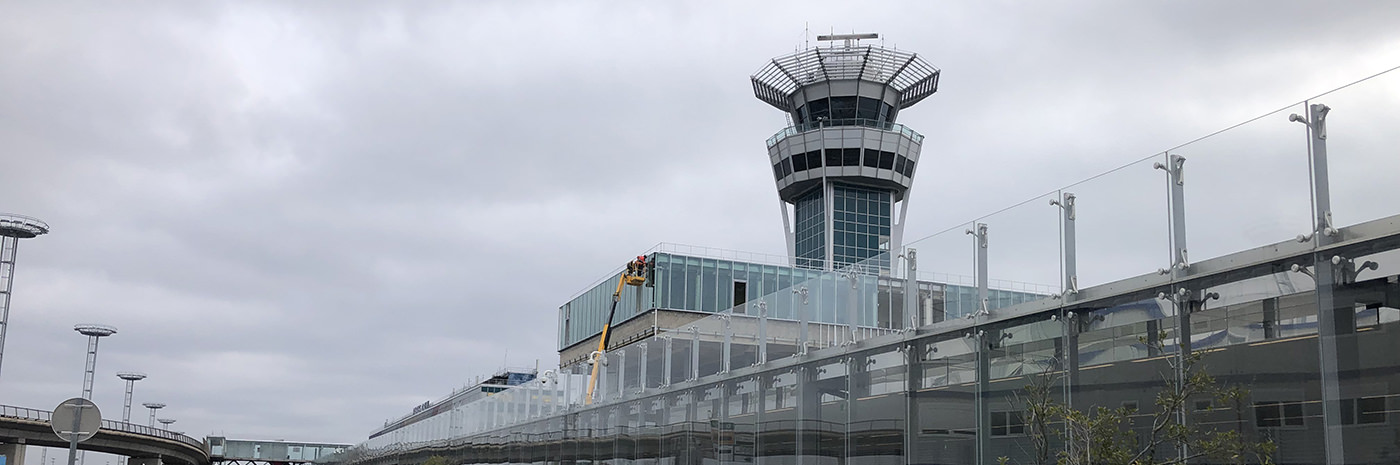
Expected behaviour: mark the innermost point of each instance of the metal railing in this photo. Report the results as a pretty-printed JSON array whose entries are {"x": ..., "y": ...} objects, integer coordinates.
[
  {"x": 24, "y": 413},
  {"x": 28, "y": 224},
  {"x": 845, "y": 122}
]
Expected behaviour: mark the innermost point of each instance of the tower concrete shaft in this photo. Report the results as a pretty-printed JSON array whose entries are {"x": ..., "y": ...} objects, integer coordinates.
[
  {"x": 844, "y": 168},
  {"x": 12, "y": 229}
]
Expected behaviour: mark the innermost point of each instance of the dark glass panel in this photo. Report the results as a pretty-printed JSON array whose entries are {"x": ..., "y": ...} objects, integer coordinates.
[
  {"x": 850, "y": 157},
  {"x": 833, "y": 157},
  {"x": 843, "y": 107},
  {"x": 872, "y": 158},
  {"x": 799, "y": 162},
  {"x": 886, "y": 160},
  {"x": 819, "y": 110},
  {"x": 868, "y": 108}
]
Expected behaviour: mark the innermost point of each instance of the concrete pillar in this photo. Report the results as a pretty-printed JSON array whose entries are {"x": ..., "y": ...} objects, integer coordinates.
[{"x": 12, "y": 454}]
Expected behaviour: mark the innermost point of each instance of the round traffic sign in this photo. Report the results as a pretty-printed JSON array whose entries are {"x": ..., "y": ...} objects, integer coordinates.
[{"x": 76, "y": 417}]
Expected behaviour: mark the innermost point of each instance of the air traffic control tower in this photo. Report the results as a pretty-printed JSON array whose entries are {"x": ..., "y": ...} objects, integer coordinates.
[{"x": 844, "y": 166}]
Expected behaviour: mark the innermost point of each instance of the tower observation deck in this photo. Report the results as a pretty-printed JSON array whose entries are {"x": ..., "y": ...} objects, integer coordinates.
[{"x": 844, "y": 167}]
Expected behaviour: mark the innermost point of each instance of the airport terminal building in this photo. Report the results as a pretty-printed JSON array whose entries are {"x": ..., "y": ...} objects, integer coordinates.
[{"x": 844, "y": 352}]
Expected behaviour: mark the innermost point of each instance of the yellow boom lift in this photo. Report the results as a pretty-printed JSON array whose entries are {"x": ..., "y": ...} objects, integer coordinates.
[{"x": 634, "y": 275}]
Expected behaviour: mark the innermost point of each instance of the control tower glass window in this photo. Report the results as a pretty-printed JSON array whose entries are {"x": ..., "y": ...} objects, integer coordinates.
[
  {"x": 860, "y": 225},
  {"x": 846, "y": 111},
  {"x": 810, "y": 238}
]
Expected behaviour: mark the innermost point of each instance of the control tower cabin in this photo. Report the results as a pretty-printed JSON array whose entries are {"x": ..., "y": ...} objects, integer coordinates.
[{"x": 844, "y": 166}]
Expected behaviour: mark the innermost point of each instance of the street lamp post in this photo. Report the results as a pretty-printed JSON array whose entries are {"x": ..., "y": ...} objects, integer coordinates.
[
  {"x": 153, "y": 406},
  {"x": 166, "y": 422},
  {"x": 131, "y": 378}
]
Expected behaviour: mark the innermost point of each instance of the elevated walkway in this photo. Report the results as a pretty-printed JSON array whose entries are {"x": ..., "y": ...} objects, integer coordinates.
[{"x": 241, "y": 452}]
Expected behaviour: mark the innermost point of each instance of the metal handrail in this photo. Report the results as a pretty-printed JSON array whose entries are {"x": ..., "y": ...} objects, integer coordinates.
[
  {"x": 25, "y": 413},
  {"x": 845, "y": 122}
]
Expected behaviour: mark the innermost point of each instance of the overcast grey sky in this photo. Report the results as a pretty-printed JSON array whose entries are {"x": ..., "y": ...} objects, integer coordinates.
[{"x": 305, "y": 218}]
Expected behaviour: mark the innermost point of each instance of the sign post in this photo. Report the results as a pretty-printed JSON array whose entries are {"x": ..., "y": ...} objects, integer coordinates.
[{"x": 75, "y": 420}]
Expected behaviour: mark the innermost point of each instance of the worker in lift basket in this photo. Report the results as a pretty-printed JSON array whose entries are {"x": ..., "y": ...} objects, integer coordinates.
[{"x": 636, "y": 267}]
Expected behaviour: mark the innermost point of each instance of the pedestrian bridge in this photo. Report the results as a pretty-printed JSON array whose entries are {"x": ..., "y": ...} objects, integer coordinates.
[{"x": 144, "y": 444}]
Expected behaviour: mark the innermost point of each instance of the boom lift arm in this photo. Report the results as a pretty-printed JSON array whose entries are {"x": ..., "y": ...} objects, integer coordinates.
[{"x": 634, "y": 275}]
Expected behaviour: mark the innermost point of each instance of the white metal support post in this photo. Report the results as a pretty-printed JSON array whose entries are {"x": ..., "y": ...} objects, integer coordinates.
[
  {"x": 912, "y": 311},
  {"x": 1324, "y": 234},
  {"x": 666, "y": 361},
  {"x": 762, "y": 332},
  {"x": 1176, "y": 188},
  {"x": 803, "y": 316},
  {"x": 642, "y": 368},
  {"x": 979, "y": 234},
  {"x": 728, "y": 330},
  {"x": 1071, "y": 269}
]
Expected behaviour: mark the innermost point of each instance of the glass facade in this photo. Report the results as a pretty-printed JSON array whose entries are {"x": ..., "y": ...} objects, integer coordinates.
[
  {"x": 845, "y": 108},
  {"x": 710, "y": 285},
  {"x": 809, "y": 233},
  {"x": 860, "y": 225}
]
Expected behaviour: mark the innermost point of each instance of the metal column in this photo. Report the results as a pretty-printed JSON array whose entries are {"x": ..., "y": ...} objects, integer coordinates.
[
  {"x": 1071, "y": 269},
  {"x": 852, "y": 302},
  {"x": 912, "y": 313},
  {"x": 803, "y": 316},
  {"x": 621, "y": 374},
  {"x": 1324, "y": 234},
  {"x": 983, "y": 401},
  {"x": 666, "y": 363},
  {"x": 1175, "y": 168},
  {"x": 979, "y": 234},
  {"x": 728, "y": 340},
  {"x": 642, "y": 368},
  {"x": 694, "y": 353},
  {"x": 762, "y": 332}
]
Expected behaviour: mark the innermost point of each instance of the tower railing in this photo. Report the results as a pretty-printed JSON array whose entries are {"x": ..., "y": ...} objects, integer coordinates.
[{"x": 845, "y": 122}]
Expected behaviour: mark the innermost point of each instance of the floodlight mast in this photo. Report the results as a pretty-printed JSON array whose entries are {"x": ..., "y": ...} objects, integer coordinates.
[
  {"x": 131, "y": 378},
  {"x": 12, "y": 228},
  {"x": 166, "y": 422},
  {"x": 93, "y": 332},
  {"x": 153, "y": 406}
]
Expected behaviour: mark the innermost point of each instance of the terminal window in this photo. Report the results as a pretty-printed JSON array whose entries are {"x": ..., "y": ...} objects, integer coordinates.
[
  {"x": 1008, "y": 424},
  {"x": 1273, "y": 414}
]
